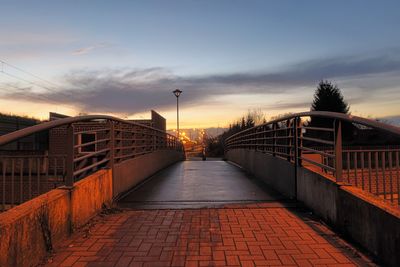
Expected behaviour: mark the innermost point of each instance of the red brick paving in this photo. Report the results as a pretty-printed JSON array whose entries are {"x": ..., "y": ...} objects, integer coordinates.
[{"x": 238, "y": 236}]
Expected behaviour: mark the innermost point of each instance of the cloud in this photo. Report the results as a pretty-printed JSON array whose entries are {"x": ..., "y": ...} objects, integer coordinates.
[
  {"x": 130, "y": 91},
  {"x": 88, "y": 49}
]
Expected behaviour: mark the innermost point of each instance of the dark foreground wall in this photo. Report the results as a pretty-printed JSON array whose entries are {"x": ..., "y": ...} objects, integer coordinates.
[
  {"x": 129, "y": 173},
  {"x": 353, "y": 212}
]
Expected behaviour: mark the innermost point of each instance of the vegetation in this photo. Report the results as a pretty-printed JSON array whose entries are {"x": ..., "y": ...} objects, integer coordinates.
[
  {"x": 13, "y": 116},
  {"x": 328, "y": 97},
  {"x": 215, "y": 145}
]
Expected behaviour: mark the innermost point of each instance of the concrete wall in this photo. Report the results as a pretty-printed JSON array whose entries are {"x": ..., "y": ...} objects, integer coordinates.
[
  {"x": 30, "y": 230},
  {"x": 370, "y": 223},
  {"x": 357, "y": 214},
  {"x": 129, "y": 173},
  {"x": 361, "y": 216},
  {"x": 90, "y": 195},
  {"x": 273, "y": 171},
  {"x": 318, "y": 193}
]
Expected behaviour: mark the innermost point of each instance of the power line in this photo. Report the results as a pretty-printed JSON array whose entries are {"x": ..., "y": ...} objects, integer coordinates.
[
  {"x": 27, "y": 72},
  {"x": 35, "y": 84},
  {"x": 37, "y": 96},
  {"x": 30, "y": 82}
]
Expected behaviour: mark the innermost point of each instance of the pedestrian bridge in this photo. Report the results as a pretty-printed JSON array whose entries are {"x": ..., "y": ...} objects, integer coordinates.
[
  {"x": 199, "y": 184},
  {"x": 261, "y": 206},
  {"x": 206, "y": 213}
]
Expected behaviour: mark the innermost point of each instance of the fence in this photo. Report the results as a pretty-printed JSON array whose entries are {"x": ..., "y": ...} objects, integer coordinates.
[
  {"x": 314, "y": 140},
  {"x": 91, "y": 143}
]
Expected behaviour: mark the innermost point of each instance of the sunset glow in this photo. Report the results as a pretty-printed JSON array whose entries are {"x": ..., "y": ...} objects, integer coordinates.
[{"x": 242, "y": 56}]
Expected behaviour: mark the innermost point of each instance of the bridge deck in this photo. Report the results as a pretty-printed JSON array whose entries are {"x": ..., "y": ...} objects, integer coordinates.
[
  {"x": 232, "y": 221},
  {"x": 199, "y": 184}
]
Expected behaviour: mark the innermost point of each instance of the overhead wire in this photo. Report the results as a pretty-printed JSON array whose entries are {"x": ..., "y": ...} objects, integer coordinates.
[
  {"x": 36, "y": 96},
  {"x": 31, "y": 82},
  {"x": 27, "y": 72}
]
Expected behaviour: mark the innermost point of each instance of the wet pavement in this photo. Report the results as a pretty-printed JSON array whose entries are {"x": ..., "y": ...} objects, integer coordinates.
[
  {"x": 200, "y": 184},
  {"x": 206, "y": 213}
]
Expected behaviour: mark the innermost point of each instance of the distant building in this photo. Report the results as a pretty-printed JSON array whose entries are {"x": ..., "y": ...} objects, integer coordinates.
[
  {"x": 157, "y": 121},
  {"x": 12, "y": 123},
  {"x": 57, "y": 136}
]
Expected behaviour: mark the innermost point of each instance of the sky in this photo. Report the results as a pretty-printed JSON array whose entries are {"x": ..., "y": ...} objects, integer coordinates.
[{"x": 125, "y": 58}]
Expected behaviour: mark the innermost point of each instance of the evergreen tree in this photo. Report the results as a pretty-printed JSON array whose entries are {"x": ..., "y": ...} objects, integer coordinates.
[{"x": 328, "y": 97}]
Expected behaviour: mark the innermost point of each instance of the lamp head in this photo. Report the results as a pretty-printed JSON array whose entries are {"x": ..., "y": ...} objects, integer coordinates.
[{"x": 177, "y": 92}]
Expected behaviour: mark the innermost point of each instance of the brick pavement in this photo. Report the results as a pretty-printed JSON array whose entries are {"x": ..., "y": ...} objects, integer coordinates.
[{"x": 252, "y": 235}]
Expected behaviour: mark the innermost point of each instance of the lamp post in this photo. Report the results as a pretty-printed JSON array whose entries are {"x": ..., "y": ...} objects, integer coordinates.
[{"x": 177, "y": 93}]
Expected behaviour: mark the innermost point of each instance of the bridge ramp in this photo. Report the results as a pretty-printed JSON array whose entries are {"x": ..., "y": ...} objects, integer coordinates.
[
  {"x": 210, "y": 213},
  {"x": 200, "y": 184}
]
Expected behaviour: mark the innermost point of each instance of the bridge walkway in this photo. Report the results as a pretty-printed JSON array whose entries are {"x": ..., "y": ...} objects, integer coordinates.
[
  {"x": 199, "y": 184},
  {"x": 206, "y": 213}
]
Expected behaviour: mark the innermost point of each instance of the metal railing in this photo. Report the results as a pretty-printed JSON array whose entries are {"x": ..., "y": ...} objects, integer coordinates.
[
  {"x": 303, "y": 140},
  {"x": 86, "y": 144}
]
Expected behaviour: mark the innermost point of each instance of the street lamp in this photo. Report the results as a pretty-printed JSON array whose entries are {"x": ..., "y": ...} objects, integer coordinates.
[{"x": 177, "y": 93}]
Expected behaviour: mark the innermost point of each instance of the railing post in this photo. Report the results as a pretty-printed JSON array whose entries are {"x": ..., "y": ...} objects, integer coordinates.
[
  {"x": 154, "y": 140},
  {"x": 338, "y": 151},
  {"x": 274, "y": 139},
  {"x": 298, "y": 141},
  {"x": 111, "y": 144},
  {"x": 295, "y": 147},
  {"x": 175, "y": 144},
  {"x": 288, "y": 140},
  {"x": 264, "y": 148},
  {"x": 69, "y": 163}
]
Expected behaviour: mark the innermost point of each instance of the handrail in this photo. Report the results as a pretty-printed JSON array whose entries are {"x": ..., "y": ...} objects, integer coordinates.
[
  {"x": 332, "y": 115},
  {"x": 11, "y": 137},
  {"x": 370, "y": 169},
  {"x": 117, "y": 140}
]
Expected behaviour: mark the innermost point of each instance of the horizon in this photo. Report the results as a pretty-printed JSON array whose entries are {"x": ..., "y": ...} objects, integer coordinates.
[{"x": 228, "y": 57}]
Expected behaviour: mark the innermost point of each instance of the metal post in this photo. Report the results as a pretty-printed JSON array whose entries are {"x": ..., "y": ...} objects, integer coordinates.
[
  {"x": 111, "y": 144},
  {"x": 274, "y": 139},
  {"x": 69, "y": 179},
  {"x": 295, "y": 152},
  {"x": 177, "y": 93},
  {"x": 154, "y": 140},
  {"x": 338, "y": 151},
  {"x": 177, "y": 116},
  {"x": 299, "y": 141},
  {"x": 288, "y": 140}
]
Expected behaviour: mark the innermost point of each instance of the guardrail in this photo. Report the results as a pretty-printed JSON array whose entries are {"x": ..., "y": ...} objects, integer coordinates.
[
  {"x": 90, "y": 143},
  {"x": 314, "y": 140}
]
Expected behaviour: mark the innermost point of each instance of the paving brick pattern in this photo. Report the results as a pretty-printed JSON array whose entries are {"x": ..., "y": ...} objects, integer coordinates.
[{"x": 233, "y": 236}]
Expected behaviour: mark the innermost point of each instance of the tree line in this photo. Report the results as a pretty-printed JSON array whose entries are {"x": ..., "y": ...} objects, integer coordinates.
[{"x": 327, "y": 97}]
